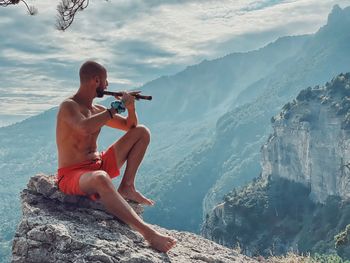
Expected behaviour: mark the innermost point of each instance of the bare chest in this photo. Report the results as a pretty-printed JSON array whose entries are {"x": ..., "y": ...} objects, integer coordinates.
[{"x": 88, "y": 113}]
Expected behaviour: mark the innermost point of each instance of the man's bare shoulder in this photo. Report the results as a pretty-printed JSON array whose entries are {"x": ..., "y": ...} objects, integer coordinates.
[
  {"x": 68, "y": 107},
  {"x": 69, "y": 102}
]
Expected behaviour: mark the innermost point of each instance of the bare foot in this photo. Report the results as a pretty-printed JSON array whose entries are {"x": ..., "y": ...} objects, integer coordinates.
[
  {"x": 131, "y": 194},
  {"x": 160, "y": 242}
]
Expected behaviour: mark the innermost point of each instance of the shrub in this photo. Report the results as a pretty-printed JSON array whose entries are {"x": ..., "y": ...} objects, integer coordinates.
[
  {"x": 305, "y": 95},
  {"x": 332, "y": 258},
  {"x": 342, "y": 238}
]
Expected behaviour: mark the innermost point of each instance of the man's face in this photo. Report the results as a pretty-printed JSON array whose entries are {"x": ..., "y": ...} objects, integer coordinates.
[{"x": 101, "y": 82}]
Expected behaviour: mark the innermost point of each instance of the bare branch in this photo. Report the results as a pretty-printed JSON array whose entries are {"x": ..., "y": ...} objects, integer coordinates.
[
  {"x": 31, "y": 9},
  {"x": 67, "y": 10},
  {"x": 8, "y": 2}
]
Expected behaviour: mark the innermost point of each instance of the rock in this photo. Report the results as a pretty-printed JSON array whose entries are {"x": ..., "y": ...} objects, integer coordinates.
[
  {"x": 311, "y": 141},
  {"x": 305, "y": 177},
  {"x": 59, "y": 228}
]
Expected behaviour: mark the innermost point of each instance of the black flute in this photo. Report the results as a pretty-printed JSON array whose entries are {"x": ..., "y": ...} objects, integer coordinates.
[{"x": 137, "y": 96}]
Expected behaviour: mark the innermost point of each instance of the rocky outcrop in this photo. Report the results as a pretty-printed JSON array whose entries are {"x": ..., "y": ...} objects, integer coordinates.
[
  {"x": 61, "y": 228},
  {"x": 301, "y": 200},
  {"x": 311, "y": 141}
]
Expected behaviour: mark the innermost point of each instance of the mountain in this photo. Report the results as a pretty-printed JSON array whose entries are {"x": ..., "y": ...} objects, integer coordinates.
[
  {"x": 210, "y": 86},
  {"x": 322, "y": 57},
  {"x": 230, "y": 158},
  {"x": 301, "y": 200}
]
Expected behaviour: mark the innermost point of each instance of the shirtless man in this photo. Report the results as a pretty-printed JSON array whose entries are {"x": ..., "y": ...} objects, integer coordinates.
[{"x": 82, "y": 170}]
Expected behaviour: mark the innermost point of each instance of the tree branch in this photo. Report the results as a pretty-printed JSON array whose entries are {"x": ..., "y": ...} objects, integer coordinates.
[
  {"x": 31, "y": 9},
  {"x": 8, "y": 2},
  {"x": 67, "y": 10}
]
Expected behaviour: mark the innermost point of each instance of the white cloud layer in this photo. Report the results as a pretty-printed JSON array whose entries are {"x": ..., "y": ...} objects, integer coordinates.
[{"x": 136, "y": 40}]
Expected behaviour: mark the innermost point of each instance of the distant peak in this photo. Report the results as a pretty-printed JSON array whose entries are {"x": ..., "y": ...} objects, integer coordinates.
[
  {"x": 336, "y": 8},
  {"x": 338, "y": 15},
  {"x": 338, "y": 23}
]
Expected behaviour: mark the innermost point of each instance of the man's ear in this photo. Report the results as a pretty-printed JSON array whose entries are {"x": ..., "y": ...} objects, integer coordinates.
[{"x": 96, "y": 80}]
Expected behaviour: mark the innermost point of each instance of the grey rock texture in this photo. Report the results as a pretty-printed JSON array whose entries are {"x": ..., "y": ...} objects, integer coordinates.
[
  {"x": 311, "y": 141},
  {"x": 60, "y": 228}
]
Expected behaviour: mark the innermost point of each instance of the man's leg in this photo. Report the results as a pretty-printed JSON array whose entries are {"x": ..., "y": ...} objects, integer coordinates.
[
  {"x": 131, "y": 149},
  {"x": 99, "y": 182}
]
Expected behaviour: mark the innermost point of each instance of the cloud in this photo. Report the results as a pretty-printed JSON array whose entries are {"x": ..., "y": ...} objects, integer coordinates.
[
  {"x": 185, "y": 29},
  {"x": 137, "y": 40},
  {"x": 259, "y": 5}
]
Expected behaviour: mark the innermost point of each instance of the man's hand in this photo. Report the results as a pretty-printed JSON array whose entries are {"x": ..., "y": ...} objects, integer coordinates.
[{"x": 128, "y": 99}]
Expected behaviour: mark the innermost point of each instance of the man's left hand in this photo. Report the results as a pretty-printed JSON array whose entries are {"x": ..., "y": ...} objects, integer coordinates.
[{"x": 128, "y": 99}]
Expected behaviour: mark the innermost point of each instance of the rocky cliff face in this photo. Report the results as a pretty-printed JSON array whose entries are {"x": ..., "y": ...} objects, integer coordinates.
[
  {"x": 301, "y": 200},
  {"x": 311, "y": 141},
  {"x": 60, "y": 228}
]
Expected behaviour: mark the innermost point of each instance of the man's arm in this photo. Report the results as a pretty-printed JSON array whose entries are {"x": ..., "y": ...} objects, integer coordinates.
[
  {"x": 129, "y": 101},
  {"x": 70, "y": 113},
  {"x": 120, "y": 122},
  {"x": 131, "y": 120}
]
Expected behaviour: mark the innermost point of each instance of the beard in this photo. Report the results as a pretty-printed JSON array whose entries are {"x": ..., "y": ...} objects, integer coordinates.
[{"x": 99, "y": 92}]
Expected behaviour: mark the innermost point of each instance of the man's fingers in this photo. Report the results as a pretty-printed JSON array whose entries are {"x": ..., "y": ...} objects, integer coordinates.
[
  {"x": 128, "y": 95},
  {"x": 134, "y": 92}
]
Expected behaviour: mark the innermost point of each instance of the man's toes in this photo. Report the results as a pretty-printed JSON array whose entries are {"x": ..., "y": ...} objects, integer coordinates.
[
  {"x": 162, "y": 247},
  {"x": 169, "y": 245},
  {"x": 147, "y": 201},
  {"x": 172, "y": 242},
  {"x": 167, "y": 248},
  {"x": 150, "y": 202}
]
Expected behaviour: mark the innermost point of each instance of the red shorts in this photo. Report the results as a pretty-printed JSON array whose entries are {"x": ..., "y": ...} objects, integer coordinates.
[{"x": 68, "y": 177}]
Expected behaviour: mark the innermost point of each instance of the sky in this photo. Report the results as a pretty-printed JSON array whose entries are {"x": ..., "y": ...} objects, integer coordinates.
[{"x": 137, "y": 41}]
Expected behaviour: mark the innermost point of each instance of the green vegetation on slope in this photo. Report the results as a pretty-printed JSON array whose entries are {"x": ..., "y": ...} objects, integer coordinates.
[{"x": 276, "y": 215}]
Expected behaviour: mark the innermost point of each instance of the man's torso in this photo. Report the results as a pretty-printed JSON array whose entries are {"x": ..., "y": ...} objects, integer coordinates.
[{"x": 73, "y": 146}]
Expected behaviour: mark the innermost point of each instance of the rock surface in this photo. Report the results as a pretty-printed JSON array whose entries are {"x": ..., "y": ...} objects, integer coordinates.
[
  {"x": 60, "y": 228},
  {"x": 301, "y": 200},
  {"x": 311, "y": 141}
]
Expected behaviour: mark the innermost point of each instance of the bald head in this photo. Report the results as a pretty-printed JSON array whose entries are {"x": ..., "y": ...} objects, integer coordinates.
[{"x": 89, "y": 70}]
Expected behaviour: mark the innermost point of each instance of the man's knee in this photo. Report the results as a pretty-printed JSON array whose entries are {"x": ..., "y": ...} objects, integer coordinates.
[
  {"x": 101, "y": 180},
  {"x": 144, "y": 132}
]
